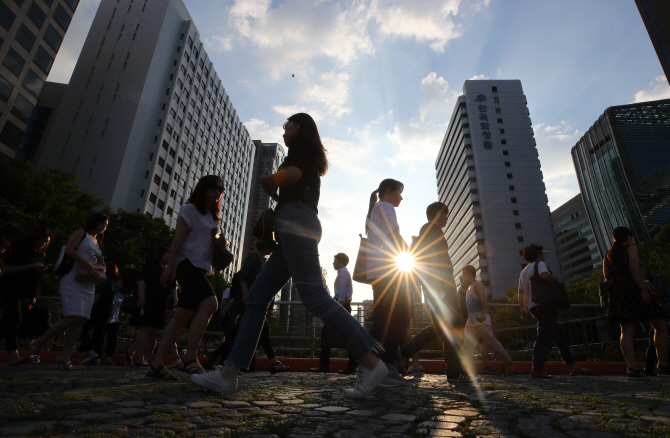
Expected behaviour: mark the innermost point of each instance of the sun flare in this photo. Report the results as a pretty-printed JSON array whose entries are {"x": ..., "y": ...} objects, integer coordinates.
[{"x": 405, "y": 262}]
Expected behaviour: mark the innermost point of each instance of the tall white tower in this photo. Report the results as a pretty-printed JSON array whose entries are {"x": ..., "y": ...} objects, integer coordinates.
[
  {"x": 145, "y": 116},
  {"x": 488, "y": 174}
]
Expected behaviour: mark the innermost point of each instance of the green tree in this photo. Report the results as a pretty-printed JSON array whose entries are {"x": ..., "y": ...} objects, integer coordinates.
[
  {"x": 656, "y": 251},
  {"x": 47, "y": 199},
  {"x": 132, "y": 239},
  {"x": 585, "y": 289}
]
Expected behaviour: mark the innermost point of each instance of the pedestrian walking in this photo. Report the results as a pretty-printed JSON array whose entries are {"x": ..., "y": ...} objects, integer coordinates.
[
  {"x": 93, "y": 333},
  {"x": 20, "y": 280},
  {"x": 660, "y": 290},
  {"x": 435, "y": 272},
  {"x": 77, "y": 291},
  {"x": 329, "y": 337},
  {"x": 549, "y": 331},
  {"x": 189, "y": 260},
  {"x": 630, "y": 302},
  {"x": 478, "y": 324},
  {"x": 298, "y": 232}
]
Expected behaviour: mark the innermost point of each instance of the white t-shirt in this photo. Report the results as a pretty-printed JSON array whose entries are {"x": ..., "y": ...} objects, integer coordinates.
[
  {"x": 199, "y": 244},
  {"x": 343, "y": 287},
  {"x": 472, "y": 316},
  {"x": 524, "y": 280},
  {"x": 382, "y": 222},
  {"x": 226, "y": 294}
]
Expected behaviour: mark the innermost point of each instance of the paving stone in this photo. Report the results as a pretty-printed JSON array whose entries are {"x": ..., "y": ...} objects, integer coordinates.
[
  {"x": 262, "y": 404},
  {"x": 440, "y": 432},
  {"x": 235, "y": 404},
  {"x": 295, "y": 401},
  {"x": 590, "y": 434},
  {"x": 96, "y": 416},
  {"x": 169, "y": 407},
  {"x": 398, "y": 417},
  {"x": 577, "y": 422},
  {"x": 439, "y": 425},
  {"x": 131, "y": 404},
  {"x": 201, "y": 405},
  {"x": 361, "y": 413},
  {"x": 450, "y": 418},
  {"x": 131, "y": 412},
  {"x": 653, "y": 418},
  {"x": 332, "y": 409}
]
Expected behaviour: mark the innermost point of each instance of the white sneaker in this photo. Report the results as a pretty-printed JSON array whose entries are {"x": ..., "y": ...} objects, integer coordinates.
[
  {"x": 389, "y": 382},
  {"x": 89, "y": 357},
  {"x": 215, "y": 382},
  {"x": 416, "y": 370},
  {"x": 394, "y": 374},
  {"x": 367, "y": 380}
]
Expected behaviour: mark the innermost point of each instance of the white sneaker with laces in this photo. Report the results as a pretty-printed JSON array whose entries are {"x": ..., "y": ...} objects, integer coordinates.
[
  {"x": 89, "y": 357},
  {"x": 367, "y": 380},
  {"x": 215, "y": 382}
]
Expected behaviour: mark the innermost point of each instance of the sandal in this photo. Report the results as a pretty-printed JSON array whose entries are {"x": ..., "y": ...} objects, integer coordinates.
[
  {"x": 278, "y": 368},
  {"x": 187, "y": 368},
  {"x": 633, "y": 373},
  {"x": 156, "y": 373}
]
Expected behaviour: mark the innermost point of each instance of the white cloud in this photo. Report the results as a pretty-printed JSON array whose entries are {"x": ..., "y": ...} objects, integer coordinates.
[
  {"x": 348, "y": 156},
  {"x": 554, "y": 144},
  {"x": 219, "y": 43},
  {"x": 430, "y": 21},
  {"x": 332, "y": 92},
  {"x": 291, "y": 34},
  {"x": 437, "y": 98},
  {"x": 658, "y": 89},
  {"x": 479, "y": 77},
  {"x": 261, "y": 130}
]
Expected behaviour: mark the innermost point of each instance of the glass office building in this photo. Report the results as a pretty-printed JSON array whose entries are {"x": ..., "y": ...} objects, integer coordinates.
[{"x": 622, "y": 164}]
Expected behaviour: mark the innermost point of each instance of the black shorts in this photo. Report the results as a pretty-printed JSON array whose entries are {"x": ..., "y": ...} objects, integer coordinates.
[{"x": 193, "y": 285}]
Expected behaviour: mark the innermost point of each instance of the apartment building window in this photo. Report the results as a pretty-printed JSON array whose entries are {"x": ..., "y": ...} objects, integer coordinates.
[
  {"x": 519, "y": 238},
  {"x": 511, "y": 188},
  {"x": 515, "y": 212},
  {"x": 62, "y": 18},
  {"x": 5, "y": 89},
  {"x": 36, "y": 15},
  {"x": 517, "y": 226},
  {"x": 498, "y": 110},
  {"x": 513, "y": 200},
  {"x": 510, "y": 176},
  {"x": 503, "y": 141},
  {"x": 33, "y": 83},
  {"x": 494, "y": 89},
  {"x": 161, "y": 204},
  {"x": 496, "y": 100},
  {"x": 161, "y": 161},
  {"x": 142, "y": 194},
  {"x": 505, "y": 152},
  {"x": 157, "y": 179},
  {"x": 501, "y": 131},
  {"x": 152, "y": 198},
  {"x": 25, "y": 37},
  {"x": 14, "y": 62},
  {"x": 508, "y": 164}
]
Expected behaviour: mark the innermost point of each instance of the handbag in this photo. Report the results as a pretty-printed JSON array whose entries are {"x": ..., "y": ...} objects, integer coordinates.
[
  {"x": 360, "y": 273},
  {"x": 550, "y": 294},
  {"x": 221, "y": 257},
  {"x": 64, "y": 263},
  {"x": 264, "y": 230},
  {"x": 604, "y": 294},
  {"x": 84, "y": 277}
]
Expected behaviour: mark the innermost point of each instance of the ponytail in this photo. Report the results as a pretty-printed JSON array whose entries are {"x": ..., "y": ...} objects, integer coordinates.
[
  {"x": 384, "y": 186},
  {"x": 373, "y": 201}
]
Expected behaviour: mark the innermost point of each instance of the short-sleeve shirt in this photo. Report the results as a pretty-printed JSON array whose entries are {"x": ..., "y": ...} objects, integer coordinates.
[
  {"x": 308, "y": 187},
  {"x": 199, "y": 244},
  {"x": 524, "y": 280},
  {"x": 380, "y": 243},
  {"x": 343, "y": 287},
  {"x": 226, "y": 294}
]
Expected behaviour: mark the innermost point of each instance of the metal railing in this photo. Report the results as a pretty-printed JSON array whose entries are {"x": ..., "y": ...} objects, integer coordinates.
[{"x": 295, "y": 332}]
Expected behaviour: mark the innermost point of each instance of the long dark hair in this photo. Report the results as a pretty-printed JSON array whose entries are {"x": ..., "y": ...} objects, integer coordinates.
[
  {"x": 26, "y": 243},
  {"x": 619, "y": 234},
  {"x": 200, "y": 191},
  {"x": 384, "y": 186},
  {"x": 309, "y": 140},
  {"x": 92, "y": 223}
]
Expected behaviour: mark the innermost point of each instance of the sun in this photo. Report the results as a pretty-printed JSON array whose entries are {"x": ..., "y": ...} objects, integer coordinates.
[{"x": 405, "y": 262}]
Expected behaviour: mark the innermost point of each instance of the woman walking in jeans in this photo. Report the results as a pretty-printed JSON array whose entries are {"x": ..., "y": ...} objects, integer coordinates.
[{"x": 297, "y": 256}]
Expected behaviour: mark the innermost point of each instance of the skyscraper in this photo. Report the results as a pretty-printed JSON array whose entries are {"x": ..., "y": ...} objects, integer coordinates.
[
  {"x": 576, "y": 245},
  {"x": 31, "y": 33},
  {"x": 267, "y": 158},
  {"x": 145, "y": 116},
  {"x": 488, "y": 174},
  {"x": 656, "y": 17},
  {"x": 622, "y": 164}
]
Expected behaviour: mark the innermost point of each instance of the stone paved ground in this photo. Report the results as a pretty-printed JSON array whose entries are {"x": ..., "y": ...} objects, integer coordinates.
[{"x": 119, "y": 402}]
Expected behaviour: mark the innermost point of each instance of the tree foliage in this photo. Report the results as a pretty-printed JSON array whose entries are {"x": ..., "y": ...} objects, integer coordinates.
[{"x": 656, "y": 252}]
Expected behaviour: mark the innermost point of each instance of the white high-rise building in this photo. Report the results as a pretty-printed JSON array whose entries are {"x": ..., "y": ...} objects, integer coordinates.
[
  {"x": 267, "y": 158},
  {"x": 488, "y": 174},
  {"x": 145, "y": 116}
]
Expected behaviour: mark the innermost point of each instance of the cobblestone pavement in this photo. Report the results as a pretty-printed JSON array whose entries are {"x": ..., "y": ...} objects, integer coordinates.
[{"x": 120, "y": 402}]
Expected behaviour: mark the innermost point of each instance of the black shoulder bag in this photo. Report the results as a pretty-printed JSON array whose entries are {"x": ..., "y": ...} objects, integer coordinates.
[
  {"x": 264, "y": 230},
  {"x": 550, "y": 294},
  {"x": 65, "y": 263}
]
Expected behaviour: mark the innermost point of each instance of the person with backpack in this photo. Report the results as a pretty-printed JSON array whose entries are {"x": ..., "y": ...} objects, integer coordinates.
[{"x": 20, "y": 280}]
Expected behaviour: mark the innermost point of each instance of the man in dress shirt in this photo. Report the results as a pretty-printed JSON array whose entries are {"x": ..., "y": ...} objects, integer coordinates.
[{"x": 329, "y": 338}]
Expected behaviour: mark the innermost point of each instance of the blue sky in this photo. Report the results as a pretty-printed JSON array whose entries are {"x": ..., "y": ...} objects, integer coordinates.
[{"x": 381, "y": 79}]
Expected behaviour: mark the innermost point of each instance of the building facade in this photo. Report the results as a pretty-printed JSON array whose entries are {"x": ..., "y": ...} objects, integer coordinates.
[
  {"x": 145, "y": 116},
  {"x": 41, "y": 119},
  {"x": 31, "y": 33},
  {"x": 622, "y": 164},
  {"x": 267, "y": 158},
  {"x": 576, "y": 246},
  {"x": 488, "y": 174},
  {"x": 656, "y": 17}
]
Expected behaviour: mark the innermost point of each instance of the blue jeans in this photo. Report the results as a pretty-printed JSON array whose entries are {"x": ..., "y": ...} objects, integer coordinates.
[{"x": 298, "y": 233}]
